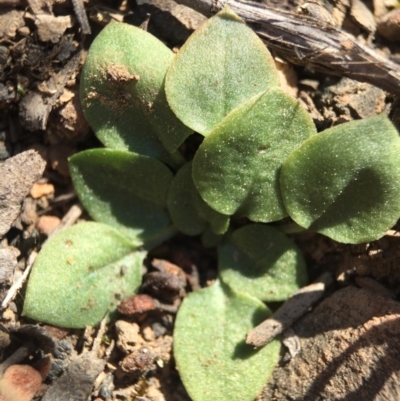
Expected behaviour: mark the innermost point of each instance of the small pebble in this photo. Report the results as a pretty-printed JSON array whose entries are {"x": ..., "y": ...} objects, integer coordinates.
[
  {"x": 24, "y": 31},
  {"x": 140, "y": 361},
  {"x": 389, "y": 25},
  {"x": 47, "y": 224},
  {"x": 137, "y": 304},
  {"x": 40, "y": 189},
  {"x": 128, "y": 337},
  {"x": 8, "y": 315},
  {"x": 20, "y": 382}
]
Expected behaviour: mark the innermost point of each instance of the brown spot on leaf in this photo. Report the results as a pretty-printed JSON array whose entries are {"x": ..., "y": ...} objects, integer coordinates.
[{"x": 120, "y": 73}]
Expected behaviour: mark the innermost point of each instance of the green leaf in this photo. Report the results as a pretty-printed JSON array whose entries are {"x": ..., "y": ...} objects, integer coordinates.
[
  {"x": 80, "y": 274},
  {"x": 217, "y": 222},
  {"x": 236, "y": 169},
  {"x": 223, "y": 64},
  {"x": 211, "y": 240},
  {"x": 122, "y": 189},
  {"x": 181, "y": 206},
  {"x": 262, "y": 262},
  {"x": 189, "y": 213},
  {"x": 213, "y": 360},
  {"x": 344, "y": 182},
  {"x": 122, "y": 92}
]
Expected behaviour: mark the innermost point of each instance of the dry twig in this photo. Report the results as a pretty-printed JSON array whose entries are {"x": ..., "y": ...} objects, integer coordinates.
[
  {"x": 294, "y": 308},
  {"x": 79, "y": 9},
  {"x": 307, "y": 41},
  {"x": 20, "y": 282}
]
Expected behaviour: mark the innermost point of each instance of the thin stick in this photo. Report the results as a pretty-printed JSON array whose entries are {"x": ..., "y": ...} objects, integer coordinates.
[
  {"x": 306, "y": 41},
  {"x": 294, "y": 308},
  {"x": 81, "y": 15},
  {"x": 20, "y": 282}
]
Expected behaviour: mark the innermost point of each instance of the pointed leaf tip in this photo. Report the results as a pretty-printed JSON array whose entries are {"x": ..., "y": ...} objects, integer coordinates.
[{"x": 223, "y": 64}]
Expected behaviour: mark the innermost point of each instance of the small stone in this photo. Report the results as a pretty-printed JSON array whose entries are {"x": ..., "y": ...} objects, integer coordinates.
[
  {"x": 47, "y": 224},
  {"x": 137, "y": 304},
  {"x": 167, "y": 283},
  {"x": 41, "y": 189},
  {"x": 140, "y": 361},
  {"x": 362, "y": 15},
  {"x": 20, "y": 383},
  {"x": 389, "y": 25},
  {"x": 128, "y": 337},
  {"x": 148, "y": 333},
  {"x": 24, "y": 31},
  {"x": 8, "y": 315}
]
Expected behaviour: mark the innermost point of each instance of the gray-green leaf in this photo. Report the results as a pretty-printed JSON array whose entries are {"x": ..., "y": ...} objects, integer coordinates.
[
  {"x": 344, "y": 182},
  {"x": 122, "y": 92},
  {"x": 223, "y": 64},
  {"x": 189, "y": 213},
  {"x": 123, "y": 189},
  {"x": 236, "y": 169},
  {"x": 80, "y": 274},
  {"x": 262, "y": 262},
  {"x": 213, "y": 360}
]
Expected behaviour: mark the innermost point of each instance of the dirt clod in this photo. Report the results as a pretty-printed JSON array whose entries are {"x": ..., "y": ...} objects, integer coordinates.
[
  {"x": 119, "y": 73},
  {"x": 51, "y": 28}
]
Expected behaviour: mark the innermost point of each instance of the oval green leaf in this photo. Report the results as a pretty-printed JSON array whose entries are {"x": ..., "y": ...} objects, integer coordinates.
[
  {"x": 125, "y": 190},
  {"x": 189, "y": 213},
  {"x": 122, "y": 92},
  {"x": 213, "y": 360},
  {"x": 236, "y": 169},
  {"x": 344, "y": 182},
  {"x": 222, "y": 64},
  {"x": 262, "y": 262},
  {"x": 80, "y": 274}
]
